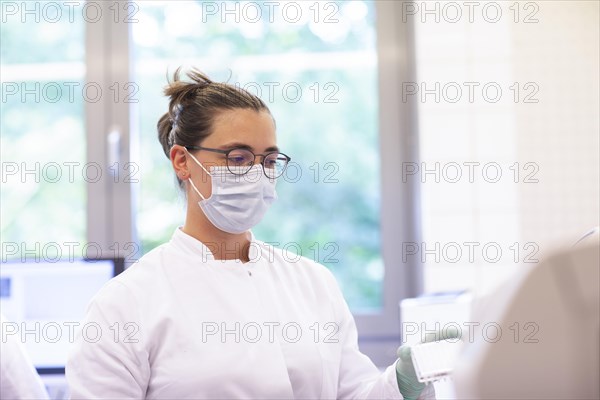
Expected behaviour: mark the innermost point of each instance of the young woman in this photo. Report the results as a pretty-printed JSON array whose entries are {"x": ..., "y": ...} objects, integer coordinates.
[{"x": 216, "y": 313}]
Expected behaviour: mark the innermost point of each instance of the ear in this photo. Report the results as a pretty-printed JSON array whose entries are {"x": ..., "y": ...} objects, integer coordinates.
[{"x": 179, "y": 161}]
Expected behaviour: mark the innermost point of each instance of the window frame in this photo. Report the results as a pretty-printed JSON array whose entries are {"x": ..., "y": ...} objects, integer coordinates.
[{"x": 108, "y": 125}]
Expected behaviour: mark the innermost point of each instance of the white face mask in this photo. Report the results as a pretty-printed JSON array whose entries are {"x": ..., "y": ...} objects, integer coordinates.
[{"x": 237, "y": 202}]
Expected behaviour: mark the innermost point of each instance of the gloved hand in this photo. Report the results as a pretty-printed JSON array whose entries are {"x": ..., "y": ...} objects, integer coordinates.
[{"x": 409, "y": 385}]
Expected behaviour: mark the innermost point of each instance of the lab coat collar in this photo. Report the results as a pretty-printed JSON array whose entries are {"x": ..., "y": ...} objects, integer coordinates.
[{"x": 196, "y": 248}]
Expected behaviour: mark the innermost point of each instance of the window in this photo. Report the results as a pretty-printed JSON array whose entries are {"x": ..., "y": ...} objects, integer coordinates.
[{"x": 43, "y": 141}]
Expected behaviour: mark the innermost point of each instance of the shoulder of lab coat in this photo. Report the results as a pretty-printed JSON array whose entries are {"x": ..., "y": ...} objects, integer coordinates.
[
  {"x": 18, "y": 377},
  {"x": 108, "y": 357}
]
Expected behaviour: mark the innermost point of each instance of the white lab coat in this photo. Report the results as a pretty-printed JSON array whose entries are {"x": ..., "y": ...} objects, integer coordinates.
[
  {"x": 180, "y": 325},
  {"x": 18, "y": 377}
]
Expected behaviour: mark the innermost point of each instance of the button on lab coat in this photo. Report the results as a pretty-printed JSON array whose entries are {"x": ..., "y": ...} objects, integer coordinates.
[{"x": 180, "y": 325}]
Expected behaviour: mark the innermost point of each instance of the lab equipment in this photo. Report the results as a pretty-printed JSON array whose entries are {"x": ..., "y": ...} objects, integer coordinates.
[
  {"x": 433, "y": 312},
  {"x": 544, "y": 338},
  {"x": 425, "y": 362},
  {"x": 589, "y": 237},
  {"x": 435, "y": 360}
]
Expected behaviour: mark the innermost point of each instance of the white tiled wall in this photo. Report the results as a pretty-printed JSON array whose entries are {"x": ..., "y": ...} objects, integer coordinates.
[{"x": 559, "y": 134}]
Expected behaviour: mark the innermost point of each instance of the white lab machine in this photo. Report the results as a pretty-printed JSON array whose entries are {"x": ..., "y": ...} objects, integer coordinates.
[{"x": 539, "y": 335}]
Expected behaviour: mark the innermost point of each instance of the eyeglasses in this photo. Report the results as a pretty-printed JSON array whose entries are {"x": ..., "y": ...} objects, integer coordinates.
[{"x": 240, "y": 160}]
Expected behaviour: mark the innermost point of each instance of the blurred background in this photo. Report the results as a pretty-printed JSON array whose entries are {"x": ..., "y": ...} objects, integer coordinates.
[{"x": 436, "y": 146}]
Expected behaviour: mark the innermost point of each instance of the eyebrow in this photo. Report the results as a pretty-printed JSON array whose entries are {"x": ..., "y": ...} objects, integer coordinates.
[{"x": 239, "y": 145}]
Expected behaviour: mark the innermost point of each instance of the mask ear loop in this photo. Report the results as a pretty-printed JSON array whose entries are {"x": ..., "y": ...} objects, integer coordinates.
[
  {"x": 195, "y": 188},
  {"x": 190, "y": 178}
]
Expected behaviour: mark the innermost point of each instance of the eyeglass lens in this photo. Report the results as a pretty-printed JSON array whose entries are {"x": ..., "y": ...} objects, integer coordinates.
[{"x": 273, "y": 163}]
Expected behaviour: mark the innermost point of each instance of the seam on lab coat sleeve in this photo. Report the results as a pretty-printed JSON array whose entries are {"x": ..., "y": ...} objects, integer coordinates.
[{"x": 109, "y": 368}]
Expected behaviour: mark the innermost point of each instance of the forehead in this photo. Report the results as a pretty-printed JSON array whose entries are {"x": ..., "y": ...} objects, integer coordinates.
[{"x": 254, "y": 128}]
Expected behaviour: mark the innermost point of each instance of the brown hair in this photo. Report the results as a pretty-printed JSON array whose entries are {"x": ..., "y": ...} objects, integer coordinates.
[{"x": 194, "y": 105}]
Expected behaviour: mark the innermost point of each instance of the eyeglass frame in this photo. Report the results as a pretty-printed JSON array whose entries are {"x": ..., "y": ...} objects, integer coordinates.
[{"x": 262, "y": 163}]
